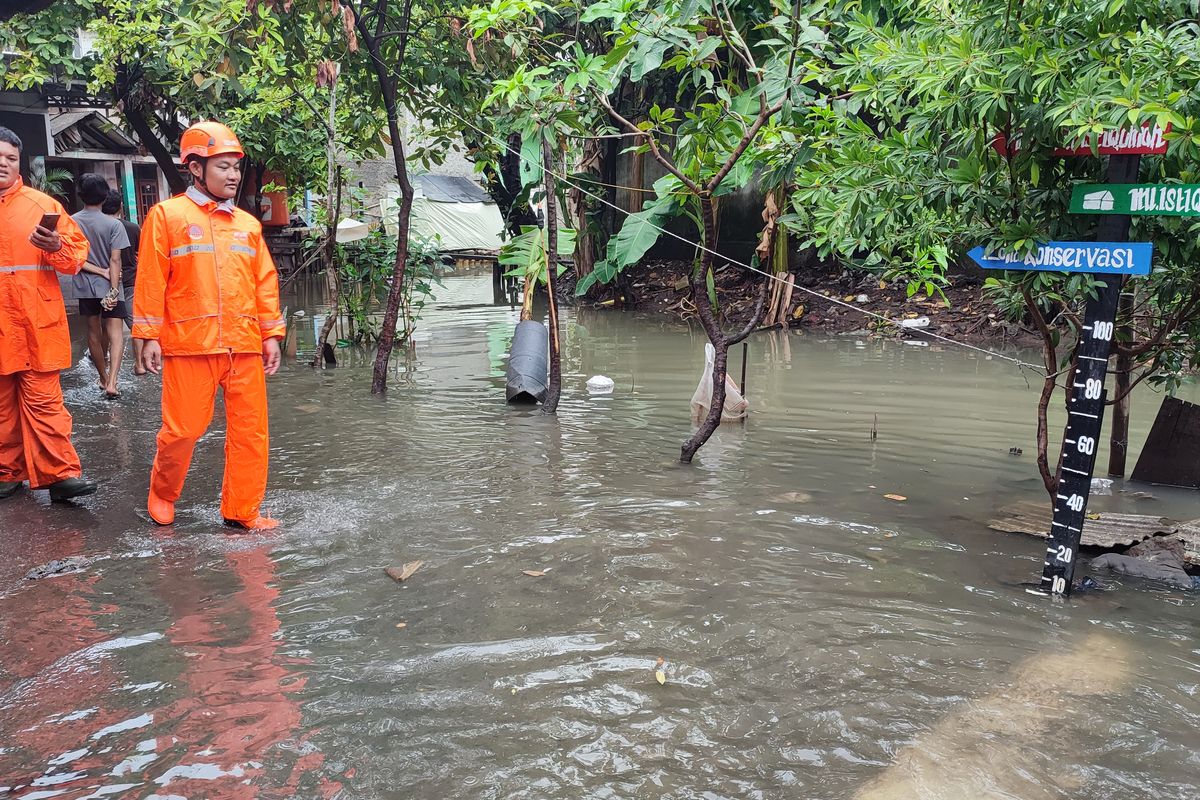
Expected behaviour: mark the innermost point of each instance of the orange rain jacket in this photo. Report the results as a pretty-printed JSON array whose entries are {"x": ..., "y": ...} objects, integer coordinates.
[
  {"x": 206, "y": 283},
  {"x": 33, "y": 319}
]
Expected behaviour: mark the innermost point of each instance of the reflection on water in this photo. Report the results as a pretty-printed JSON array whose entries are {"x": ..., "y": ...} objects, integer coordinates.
[{"x": 819, "y": 640}]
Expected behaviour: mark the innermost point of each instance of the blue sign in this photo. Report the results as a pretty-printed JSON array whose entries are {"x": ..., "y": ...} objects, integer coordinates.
[{"x": 1110, "y": 258}]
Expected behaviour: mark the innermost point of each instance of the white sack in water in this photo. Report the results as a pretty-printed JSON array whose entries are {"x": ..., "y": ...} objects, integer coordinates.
[{"x": 735, "y": 404}]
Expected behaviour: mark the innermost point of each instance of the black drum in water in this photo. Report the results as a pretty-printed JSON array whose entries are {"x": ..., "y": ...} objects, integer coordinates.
[{"x": 528, "y": 363}]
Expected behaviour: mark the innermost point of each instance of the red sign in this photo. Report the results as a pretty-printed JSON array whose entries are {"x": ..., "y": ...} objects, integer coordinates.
[{"x": 1146, "y": 140}]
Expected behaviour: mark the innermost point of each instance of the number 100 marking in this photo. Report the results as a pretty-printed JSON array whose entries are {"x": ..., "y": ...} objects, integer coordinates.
[{"x": 1102, "y": 330}]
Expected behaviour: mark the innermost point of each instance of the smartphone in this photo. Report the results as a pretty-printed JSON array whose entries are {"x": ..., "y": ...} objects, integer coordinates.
[{"x": 49, "y": 222}]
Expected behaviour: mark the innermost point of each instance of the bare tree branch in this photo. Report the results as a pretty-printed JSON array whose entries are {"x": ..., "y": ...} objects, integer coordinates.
[{"x": 654, "y": 149}]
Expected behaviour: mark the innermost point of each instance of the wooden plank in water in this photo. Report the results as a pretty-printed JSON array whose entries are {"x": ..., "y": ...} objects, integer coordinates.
[
  {"x": 1170, "y": 453},
  {"x": 1109, "y": 530}
]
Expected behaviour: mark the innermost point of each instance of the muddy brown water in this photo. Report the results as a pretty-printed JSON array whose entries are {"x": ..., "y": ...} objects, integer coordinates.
[{"x": 820, "y": 641}]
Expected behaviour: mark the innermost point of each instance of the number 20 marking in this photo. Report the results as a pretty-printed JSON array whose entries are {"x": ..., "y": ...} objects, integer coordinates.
[{"x": 1063, "y": 554}]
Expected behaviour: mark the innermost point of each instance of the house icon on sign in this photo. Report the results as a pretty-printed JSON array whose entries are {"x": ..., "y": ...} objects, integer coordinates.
[{"x": 1098, "y": 201}]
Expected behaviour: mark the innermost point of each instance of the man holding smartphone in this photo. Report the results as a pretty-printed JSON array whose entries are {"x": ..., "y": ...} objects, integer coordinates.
[{"x": 37, "y": 239}]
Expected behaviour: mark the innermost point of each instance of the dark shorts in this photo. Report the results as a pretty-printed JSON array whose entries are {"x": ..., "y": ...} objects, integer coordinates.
[{"x": 90, "y": 307}]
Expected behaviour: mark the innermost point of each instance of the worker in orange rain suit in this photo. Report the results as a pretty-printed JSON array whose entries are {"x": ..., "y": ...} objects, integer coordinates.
[
  {"x": 35, "y": 427},
  {"x": 206, "y": 302}
]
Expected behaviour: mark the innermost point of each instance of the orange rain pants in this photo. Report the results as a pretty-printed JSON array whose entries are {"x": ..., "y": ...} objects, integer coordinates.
[
  {"x": 189, "y": 390},
  {"x": 35, "y": 430}
]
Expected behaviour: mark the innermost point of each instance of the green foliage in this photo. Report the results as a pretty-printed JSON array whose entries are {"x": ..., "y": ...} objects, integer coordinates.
[
  {"x": 365, "y": 269},
  {"x": 209, "y": 59},
  {"x": 709, "y": 80},
  {"x": 51, "y": 181},
  {"x": 525, "y": 254},
  {"x": 906, "y": 173}
]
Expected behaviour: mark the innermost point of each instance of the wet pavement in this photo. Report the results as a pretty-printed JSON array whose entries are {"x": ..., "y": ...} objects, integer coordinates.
[{"x": 817, "y": 638}]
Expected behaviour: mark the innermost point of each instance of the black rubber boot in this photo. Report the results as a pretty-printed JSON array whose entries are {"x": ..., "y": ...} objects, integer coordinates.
[
  {"x": 8, "y": 488},
  {"x": 70, "y": 488}
]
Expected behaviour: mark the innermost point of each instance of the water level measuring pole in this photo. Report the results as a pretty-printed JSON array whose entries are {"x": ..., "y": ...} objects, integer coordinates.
[
  {"x": 1111, "y": 258},
  {"x": 1086, "y": 398}
]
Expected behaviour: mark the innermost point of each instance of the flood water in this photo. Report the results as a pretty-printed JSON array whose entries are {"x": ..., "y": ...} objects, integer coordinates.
[{"x": 819, "y": 640}]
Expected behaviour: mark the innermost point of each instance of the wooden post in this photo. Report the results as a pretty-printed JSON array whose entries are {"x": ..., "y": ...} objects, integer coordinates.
[{"x": 554, "y": 389}]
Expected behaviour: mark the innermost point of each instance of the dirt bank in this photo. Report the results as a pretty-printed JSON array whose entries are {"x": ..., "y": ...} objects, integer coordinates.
[{"x": 964, "y": 315}]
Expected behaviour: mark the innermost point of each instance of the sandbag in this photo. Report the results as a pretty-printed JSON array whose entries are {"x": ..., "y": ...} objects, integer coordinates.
[
  {"x": 1155, "y": 559},
  {"x": 735, "y": 405}
]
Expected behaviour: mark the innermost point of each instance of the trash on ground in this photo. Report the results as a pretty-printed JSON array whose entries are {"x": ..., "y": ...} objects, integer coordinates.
[
  {"x": 599, "y": 384},
  {"x": 919, "y": 322},
  {"x": 401, "y": 574},
  {"x": 1102, "y": 486}
]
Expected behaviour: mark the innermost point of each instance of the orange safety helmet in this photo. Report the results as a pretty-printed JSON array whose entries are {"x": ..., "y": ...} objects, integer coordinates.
[{"x": 207, "y": 139}]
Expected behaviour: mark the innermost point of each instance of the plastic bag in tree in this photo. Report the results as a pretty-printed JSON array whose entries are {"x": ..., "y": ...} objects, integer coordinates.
[{"x": 735, "y": 404}]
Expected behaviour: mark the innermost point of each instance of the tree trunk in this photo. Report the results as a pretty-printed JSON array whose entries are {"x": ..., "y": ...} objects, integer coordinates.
[
  {"x": 504, "y": 186},
  {"x": 577, "y": 209},
  {"x": 387, "y": 86},
  {"x": 1049, "y": 384},
  {"x": 708, "y": 320},
  {"x": 333, "y": 281},
  {"x": 1118, "y": 441},
  {"x": 333, "y": 210},
  {"x": 162, "y": 156},
  {"x": 554, "y": 389}
]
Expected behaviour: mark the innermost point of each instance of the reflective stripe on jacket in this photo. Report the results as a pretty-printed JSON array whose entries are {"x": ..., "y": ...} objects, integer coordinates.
[
  {"x": 33, "y": 319},
  {"x": 205, "y": 283}
]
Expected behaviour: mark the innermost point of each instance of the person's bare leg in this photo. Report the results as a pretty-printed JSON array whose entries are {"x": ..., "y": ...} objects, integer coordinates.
[
  {"x": 138, "y": 369},
  {"x": 96, "y": 348},
  {"x": 115, "y": 339}
]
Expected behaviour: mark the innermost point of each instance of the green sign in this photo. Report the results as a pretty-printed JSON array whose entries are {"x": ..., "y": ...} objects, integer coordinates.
[{"x": 1150, "y": 199}]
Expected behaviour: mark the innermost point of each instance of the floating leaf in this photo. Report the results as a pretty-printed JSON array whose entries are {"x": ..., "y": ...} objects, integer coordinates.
[
  {"x": 660, "y": 676},
  {"x": 401, "y": 624},
  {"x": 403, "y": 573},
  {"x": 899, "y": 498},
  {"x": 533, "y": 573}
]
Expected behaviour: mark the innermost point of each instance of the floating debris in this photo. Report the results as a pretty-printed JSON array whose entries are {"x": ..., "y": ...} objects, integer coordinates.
[
  {"x": 59, "y": 566},
  {"x": 401, "y": 574}
]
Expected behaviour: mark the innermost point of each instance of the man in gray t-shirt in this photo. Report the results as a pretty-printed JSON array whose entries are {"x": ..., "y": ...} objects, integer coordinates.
[{"x": 98, "y": 285}]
